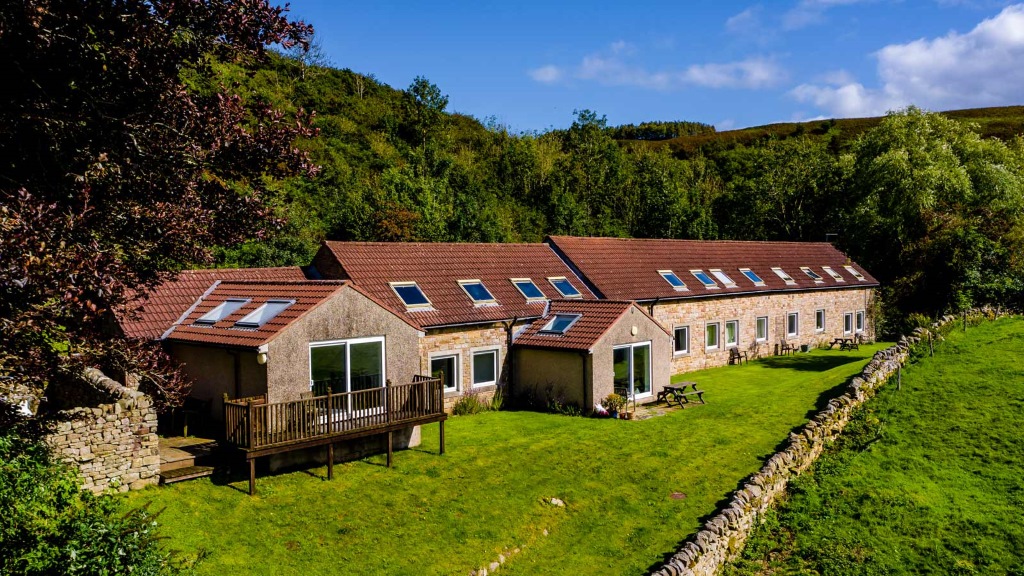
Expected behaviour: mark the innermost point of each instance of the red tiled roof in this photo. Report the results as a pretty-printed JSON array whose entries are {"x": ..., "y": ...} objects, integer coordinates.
[
  {"x": 596, "y": 318},
  {"x": 437, "y": 267},
  {"x": 627, "y": 269},
  {"x": 306, "y": 295},
  {"x": 168, "y": 301}
]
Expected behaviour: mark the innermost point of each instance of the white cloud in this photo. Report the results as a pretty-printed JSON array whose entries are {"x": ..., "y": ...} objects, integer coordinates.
[
  {"x": 745, "y": 22},
  {"x": 727, "y": 124},
  {"x": 546, "y": 74},
  {"x": 614, "y": 68},
  {"x": 808, "y": 12},
  {"x": 979, "y": 68}
]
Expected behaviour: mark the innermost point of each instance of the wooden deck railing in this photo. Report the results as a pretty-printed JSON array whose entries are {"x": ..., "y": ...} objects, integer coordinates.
[{"x": 255, "y": 424}]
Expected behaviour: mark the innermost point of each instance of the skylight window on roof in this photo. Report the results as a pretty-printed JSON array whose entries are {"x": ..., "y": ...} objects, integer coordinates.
[
  {"x": 265, "y": 313},
  {"x": 752, "y": 276},
  {"x": 560, "y": 324},
  {"x": 222, "y": 311},
  {"x": 527, "y": 288},
  {"x": 835, "y": 275},
  {"x": 564, "y": 287},
  {"x": 723, "y": 278},
  {"x": 704, "y": 278},
  {"x": 812, "y": 275},
  {"x": 477, "y": 292},
  {"x": 410, "y": 294},
  {"x": 672, "y": 279},
  {"x": 856, "y": 273},
  {"x": 785, "y": 277}
]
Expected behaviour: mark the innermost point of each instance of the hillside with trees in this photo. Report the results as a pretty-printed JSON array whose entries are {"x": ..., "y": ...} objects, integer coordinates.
[{"x": 931, "y": 203}]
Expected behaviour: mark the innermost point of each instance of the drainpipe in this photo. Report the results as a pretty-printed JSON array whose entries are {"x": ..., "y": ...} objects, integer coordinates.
[{"x": 650, "y": 307}]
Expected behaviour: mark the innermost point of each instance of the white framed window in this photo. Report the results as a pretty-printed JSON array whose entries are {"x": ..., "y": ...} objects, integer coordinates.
[
  {"x": 785, "y": 277},
  {"x": 476, "y": 291},
  {"x": 674, "y": 280},
  {"x": 356, "y": 366},
  {"x": 732, "y": 333},
  {"x": 835, "y": 275},
  {"x": 723, "y": 278},
  {"x": 762, "y": 329},
  {"x": 793, "y": 324},
  {"x": 411, "y": 295},
  {"x": 819, "y": 320},
  {"x": 860, "y": 321},
  {"x": 681, "y": 338},
  {"x": 222, "y": 311},
  {"x": 812, "y": 275},
  {"x": 446, "y": 366},
  {"x": 856, "y": 273},
  {"x": 484, "y": 368},
  {"x": 711, "y": 336},
  {"x": 528, "y": 289},
  {"x": 265, "y": 313},
  {"x": 560, "y": 323},
  {"x": 848, "y": 323},
  {"x": 752, "y": 276},
  {"x": 564, "y": 287},
  {"x": 631, "y": 369},
  {"x": 704, "y": 279}
]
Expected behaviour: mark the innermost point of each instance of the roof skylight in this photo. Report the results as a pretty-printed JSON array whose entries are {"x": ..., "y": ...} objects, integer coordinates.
[
  {"x": 812, "y": 275},
  {"x": 560, "y": 323},
  {"x": 672, "y": 279},
  {"x": 527, "y": 288},
  {"x": 856, "y": 273},
  {"x": 477, "y": 292},
  {"x": 785, "y": 277},
  {"x": 564, "y": 287},
  {"x": 723, "y": 278},
  {"x": 752, "y": 276},
  {"x": 265, "y": 313},
  {"x": 222, "y": 311},
  {"x": 835, "y": 275},
  {"x": 411, "y": 294},
  {"x": 704, "y": 278}
]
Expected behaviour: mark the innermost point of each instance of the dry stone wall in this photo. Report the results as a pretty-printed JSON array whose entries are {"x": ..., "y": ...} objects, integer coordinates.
[
  {"x": 723, "y": 536},
  {"x": 114, "y": 444}
]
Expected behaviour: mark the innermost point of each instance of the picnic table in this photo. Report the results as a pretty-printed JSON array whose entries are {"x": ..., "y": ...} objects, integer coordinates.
[
  {"x": 845, "y": 343},
  {"x": 680, "y": 395}
]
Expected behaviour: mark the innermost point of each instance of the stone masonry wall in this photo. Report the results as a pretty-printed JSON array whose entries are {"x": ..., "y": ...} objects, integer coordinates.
[
  {"x": 462, "y": 341},
  {"x": 114, "y": 445},
  {"x": 698, "y": 313},
  {"x": 723, "y": 536}
]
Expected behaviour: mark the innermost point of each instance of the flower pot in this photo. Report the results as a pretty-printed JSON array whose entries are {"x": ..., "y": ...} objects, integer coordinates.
[{"x": 613, "y": 413}]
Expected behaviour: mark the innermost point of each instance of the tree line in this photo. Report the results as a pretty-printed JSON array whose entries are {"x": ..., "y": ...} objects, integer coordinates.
[{"x": 922, "y": 200}]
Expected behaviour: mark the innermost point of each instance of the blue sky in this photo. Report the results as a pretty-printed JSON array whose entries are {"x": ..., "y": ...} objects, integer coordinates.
[{"x": 529, "y": 63}]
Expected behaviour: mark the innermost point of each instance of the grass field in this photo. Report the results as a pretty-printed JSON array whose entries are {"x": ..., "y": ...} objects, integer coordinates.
[
  {"x": 448, "y": 514},
  {"x": 929, "y": 479}
]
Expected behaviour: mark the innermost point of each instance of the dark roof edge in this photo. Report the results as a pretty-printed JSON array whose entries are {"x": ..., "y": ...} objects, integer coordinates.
[
  {"x": 756, "y": 292},
  {"x": 181, "y": 318},
  {"x": 572, "y": 266}
]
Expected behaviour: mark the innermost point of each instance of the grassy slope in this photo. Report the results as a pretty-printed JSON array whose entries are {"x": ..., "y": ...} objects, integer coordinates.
[
  {"x": 1003, "y": 122},
  {"x": 940, "y": 489},
  {"x": 442, "y": 515}
]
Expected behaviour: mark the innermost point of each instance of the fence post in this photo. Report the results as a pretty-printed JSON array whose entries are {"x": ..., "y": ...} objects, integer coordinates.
[
  {"x": 252, "y": 426},
  {"x": 330, "y": 412}
]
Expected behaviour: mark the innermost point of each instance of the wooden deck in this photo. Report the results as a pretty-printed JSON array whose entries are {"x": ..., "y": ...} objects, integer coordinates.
[{"x": 258, "y": 428}]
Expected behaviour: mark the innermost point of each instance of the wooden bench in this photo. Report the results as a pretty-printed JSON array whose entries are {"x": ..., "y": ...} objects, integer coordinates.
[
  {"x": 736, "y": 356},
  {"x": 787, "y": 348},
  {"x": 680, "y": 396},
  {"x": 846, "y": 343}
]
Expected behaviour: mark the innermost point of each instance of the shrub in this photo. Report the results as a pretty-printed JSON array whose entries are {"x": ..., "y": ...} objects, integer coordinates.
[
  {"x": 51, "y": 526},
  {"x": 468, "y": 404},
  {"x": 614, "y": 402}
]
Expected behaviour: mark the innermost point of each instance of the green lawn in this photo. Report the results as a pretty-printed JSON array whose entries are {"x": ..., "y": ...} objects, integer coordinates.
[
  {"x": 447, "y": 514},
  {"x": 929, "y": 479}
]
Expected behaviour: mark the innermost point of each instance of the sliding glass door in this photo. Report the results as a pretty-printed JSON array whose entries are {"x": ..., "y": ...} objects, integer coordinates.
[
  {"x": 632, "y": 369},
  {"x": 353, "y": 365}
]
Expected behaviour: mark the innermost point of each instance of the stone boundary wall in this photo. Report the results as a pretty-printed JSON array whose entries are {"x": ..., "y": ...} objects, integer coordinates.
[
  {"x": 723, "y": 536},
  {"x": 114, "y": 445}
]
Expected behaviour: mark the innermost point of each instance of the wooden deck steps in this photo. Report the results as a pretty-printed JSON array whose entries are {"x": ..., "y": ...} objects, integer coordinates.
[
  {"x": 187, "y": 473},
  {"x": 186, "y": 458}
]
